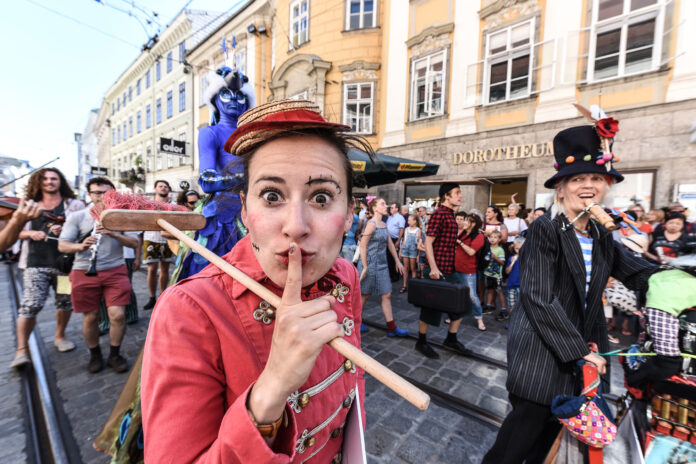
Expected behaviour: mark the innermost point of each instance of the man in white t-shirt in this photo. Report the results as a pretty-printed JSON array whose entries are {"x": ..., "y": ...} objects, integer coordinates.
[{"x": 515, "y": 225}]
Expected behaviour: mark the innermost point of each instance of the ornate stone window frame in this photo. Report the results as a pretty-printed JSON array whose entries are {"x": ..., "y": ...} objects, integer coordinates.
[
  {"x": 316, "y": 78},
  {"x": 360, "y": 72}
]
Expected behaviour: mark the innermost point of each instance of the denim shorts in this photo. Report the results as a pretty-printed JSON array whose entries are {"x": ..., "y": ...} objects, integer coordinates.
[{"x": 409, "y": 251}]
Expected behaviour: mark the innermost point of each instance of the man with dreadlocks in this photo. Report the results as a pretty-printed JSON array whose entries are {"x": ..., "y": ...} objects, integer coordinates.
[
  {"x": 228, "y": 95},
  {"x": 49, "y": 189}
]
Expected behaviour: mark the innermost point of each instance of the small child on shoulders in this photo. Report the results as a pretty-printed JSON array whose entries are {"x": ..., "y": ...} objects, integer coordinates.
[{"x": 513, "y": 282}]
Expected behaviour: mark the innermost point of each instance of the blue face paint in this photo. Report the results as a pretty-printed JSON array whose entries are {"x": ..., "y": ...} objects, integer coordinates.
[{"x": 230, "y": 105}]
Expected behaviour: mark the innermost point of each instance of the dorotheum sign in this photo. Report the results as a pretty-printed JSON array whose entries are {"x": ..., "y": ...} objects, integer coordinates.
[
  {"x": 171, "y": 146},
  {"x": 510, "y": 152}
]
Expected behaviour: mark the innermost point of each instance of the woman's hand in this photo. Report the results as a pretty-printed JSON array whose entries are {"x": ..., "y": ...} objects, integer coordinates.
[
  {"x": 598, "y": 361},
  {"x": 302, "y": 328},
  {"x": 399, "y": 267}
]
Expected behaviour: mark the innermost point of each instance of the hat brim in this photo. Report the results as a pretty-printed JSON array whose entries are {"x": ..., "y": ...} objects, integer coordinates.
[
  {"x": 582, "y": 168},
  {"x": 254, "y": 133},
  {"x": 632, "y": 245}
]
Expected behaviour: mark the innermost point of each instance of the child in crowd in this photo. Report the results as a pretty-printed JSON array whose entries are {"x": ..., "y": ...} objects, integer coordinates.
[
  {"x": 513, "y": 282},
  {"x": 409, "y": 248},
  {"x": 494, "y": 273}
]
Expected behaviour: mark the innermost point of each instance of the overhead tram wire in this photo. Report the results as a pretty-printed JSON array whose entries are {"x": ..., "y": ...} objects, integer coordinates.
[
  {"x": 82, "y": 23},
  {"x": 150, "y": 16},
  {"x": 127, "y": 12}
]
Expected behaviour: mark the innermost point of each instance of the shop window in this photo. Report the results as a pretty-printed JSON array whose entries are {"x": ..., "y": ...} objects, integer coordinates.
[
  {"x": 626, "y": 38},
  {"x": 427, "y": 84},
  {"x": 357, "y": 107},
  {"x": 148, "y": 117},
  {"x": 360, "y": 14},
  {"x": 299, "y": 23},
  {"x": 637, "y": 187},
  {"x": 509, "y": 62},
  {"x": 182, "y": 97},
  {"x": 158, "y": 111},
  {"x": 170, "y": 104},
  {"x": 170, "y": 62},
  {"x": 170, "y": 161},
  {"x": 158, "y": 166},
  {"x": 183, "y": 159}
]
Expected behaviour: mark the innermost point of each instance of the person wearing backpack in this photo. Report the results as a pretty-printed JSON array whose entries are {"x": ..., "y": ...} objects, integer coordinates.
[{"x": 469, "y": 242}]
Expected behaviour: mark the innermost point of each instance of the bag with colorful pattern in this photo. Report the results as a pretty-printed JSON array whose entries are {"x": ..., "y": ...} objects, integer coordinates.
[{"x": 587, "y": 418}]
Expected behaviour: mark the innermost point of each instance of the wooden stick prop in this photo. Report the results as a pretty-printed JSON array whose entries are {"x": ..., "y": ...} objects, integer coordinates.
[
  {"x": 598, "y": 212},
  {"x": 155, "y": 220}
]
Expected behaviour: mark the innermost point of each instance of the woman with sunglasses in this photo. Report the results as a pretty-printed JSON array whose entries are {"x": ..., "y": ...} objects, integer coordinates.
[
  {"x": 228, "y": 95},
  {"x": 188, "y": 198}
]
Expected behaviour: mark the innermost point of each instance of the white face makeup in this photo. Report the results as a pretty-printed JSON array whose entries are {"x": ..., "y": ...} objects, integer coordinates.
[
  {"x": 578, "y": 189},
  {"x": 297, "y": 194}
]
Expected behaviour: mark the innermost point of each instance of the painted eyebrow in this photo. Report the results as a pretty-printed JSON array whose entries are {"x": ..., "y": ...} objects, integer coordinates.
[
  {"x": 321, "y": 180},
  {"x": 279, "y": 180}
]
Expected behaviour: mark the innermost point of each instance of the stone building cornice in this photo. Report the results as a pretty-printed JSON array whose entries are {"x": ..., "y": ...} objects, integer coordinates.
[{"x": 430, "y": 31}]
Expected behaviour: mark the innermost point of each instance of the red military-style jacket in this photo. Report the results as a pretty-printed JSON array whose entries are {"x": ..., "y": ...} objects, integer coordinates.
[{"x": 207, "y": 344}]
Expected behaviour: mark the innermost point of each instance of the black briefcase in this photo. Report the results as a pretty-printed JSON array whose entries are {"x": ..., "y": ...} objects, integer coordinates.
[{"x": 439, "y": 295}]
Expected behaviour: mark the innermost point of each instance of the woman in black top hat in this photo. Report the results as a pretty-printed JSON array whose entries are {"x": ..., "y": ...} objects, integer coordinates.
[{"x": 564, "y": 266}]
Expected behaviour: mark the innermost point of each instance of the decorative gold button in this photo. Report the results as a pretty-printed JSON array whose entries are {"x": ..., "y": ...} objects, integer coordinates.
[
  {"x": 270, "y": 312},
  {"x": 335, "y": 433},
  {"x": 304, "y": 400},
  {"x": 337, "y": 459},
  {"x": 334, "y": 293},
  {"x": 311, "y": 442},
  {"x": 348, "y": 365}
]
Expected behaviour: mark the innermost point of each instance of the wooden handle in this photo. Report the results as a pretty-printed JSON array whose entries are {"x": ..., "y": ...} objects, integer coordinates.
[
  {"x": 410, "y": 393},
  {"x": 126, "y": 219},
  {"x": 598, "y": 212}
]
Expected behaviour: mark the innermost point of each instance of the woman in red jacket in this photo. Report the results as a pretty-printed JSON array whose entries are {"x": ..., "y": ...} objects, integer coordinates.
[{"x": 226, "y": 377}]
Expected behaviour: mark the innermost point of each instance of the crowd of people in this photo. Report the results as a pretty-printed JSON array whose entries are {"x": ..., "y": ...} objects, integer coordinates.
[{"x": 60, "y": 242}]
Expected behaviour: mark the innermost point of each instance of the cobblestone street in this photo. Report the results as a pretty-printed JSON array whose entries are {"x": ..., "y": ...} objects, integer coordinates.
[{"x": 396, "y": 431}]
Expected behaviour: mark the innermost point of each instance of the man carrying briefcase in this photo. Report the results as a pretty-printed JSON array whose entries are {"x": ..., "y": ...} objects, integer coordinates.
[{"x": 440, "y": 243}]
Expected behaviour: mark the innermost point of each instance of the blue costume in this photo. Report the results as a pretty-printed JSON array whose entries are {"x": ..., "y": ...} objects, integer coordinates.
[{"x": 219, "y": 172}]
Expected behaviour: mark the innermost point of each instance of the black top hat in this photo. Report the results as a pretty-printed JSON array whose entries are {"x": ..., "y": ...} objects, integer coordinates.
[{"x": 578, "y": 150}]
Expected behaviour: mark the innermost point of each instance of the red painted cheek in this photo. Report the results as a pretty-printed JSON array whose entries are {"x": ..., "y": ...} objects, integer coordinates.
[{"x": 337, "y": 221}]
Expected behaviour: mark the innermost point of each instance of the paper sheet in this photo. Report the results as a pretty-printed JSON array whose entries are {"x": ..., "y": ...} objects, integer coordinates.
[{"x": 63, "y": 285}]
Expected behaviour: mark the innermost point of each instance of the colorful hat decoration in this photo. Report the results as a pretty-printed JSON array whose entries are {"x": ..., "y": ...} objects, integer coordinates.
[{"x": 586, "y": 149}]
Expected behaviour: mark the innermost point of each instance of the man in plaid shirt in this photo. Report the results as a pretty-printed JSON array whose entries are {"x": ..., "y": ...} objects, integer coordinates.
[{"x": 440, "y": 243}]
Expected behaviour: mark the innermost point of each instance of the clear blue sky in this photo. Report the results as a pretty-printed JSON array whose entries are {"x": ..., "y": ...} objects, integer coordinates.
[{"x": 55, "y": 70}]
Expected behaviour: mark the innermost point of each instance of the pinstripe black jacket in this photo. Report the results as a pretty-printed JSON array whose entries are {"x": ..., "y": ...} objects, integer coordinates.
[{"x": 550, "y": 326}]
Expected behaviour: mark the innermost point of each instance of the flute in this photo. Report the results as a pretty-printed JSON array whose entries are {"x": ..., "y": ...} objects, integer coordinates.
[{"x": 92, "y": 271}]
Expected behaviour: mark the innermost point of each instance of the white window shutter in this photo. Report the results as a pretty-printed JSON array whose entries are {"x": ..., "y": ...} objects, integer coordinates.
[
  {"x": 575, "y": 56},
  {"x": 672, "y": 44},
  {"x": 474, "y": 84},
  {"x": 544, "y": 68}
]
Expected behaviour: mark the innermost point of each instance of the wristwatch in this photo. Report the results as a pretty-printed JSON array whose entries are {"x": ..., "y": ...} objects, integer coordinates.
[{"x": 269, "y": 430}]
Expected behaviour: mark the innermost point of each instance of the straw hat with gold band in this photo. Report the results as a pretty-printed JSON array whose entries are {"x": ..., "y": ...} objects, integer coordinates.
[{"x": 258, "y": 124}]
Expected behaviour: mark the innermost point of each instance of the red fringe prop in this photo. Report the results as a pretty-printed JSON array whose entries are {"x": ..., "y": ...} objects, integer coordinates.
[{"x": 115, "y": 200}]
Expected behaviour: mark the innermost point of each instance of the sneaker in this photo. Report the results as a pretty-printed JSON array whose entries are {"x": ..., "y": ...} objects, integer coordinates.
[
  {"x": 488, "y": 309},
  {"x": 502, "y": 316},
  {"x": 456, "y": 346},
  {"x": 398, "y": 333},
  {"x": 426, "y": 350},
  {"x": 364, "y": 328},
  {"x": 118, "y": 363},
  {"x": 150, "y": 303},
  {"x": 96, "y": 364},
  {"x": 64, "y": 345}
]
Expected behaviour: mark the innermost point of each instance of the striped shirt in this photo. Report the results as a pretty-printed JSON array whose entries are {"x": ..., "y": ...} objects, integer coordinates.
[{"x": 586, "y": 247}]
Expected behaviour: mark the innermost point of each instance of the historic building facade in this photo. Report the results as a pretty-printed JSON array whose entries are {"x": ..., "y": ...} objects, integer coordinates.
[
  {"x": 485, "y": 87},
  {"x": 150, "y": 108}
]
